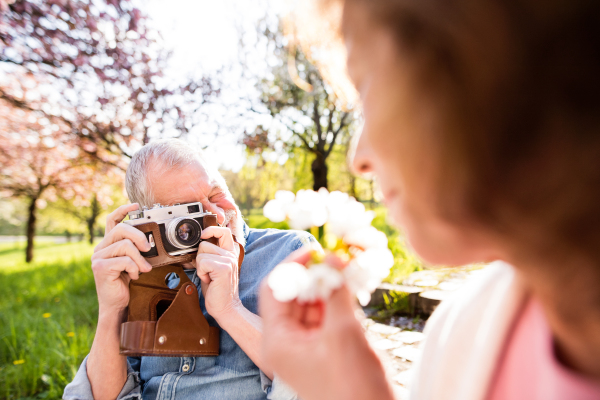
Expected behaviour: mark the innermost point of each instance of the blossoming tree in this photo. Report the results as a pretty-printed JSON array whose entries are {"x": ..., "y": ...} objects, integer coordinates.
[
  {"x": 40, "y": 160},
  {"x": 100, "y": 64}
]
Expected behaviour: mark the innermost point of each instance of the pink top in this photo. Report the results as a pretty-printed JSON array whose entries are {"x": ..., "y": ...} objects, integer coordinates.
[{"x": 529, "y": 370}]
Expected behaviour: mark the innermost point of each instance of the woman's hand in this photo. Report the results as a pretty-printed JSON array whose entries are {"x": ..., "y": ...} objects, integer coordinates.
[{"x": 320, "y": 349}]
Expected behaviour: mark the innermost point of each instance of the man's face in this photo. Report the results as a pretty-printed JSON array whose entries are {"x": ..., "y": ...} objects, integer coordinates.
[{"x": 193, "y": 183}]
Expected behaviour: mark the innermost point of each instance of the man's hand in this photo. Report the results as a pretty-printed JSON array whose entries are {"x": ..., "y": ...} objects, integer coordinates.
[
  {"x": 117, "y": 260},
  {"x": 217, "y": 268}
]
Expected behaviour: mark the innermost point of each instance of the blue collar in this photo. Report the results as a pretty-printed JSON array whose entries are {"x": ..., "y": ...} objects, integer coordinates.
[{"x": 246, "y": 230}]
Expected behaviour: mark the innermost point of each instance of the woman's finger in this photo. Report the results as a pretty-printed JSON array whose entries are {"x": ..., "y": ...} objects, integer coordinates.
[
  {"x": 339, "y": 306},
  {"x": 300, "y": 256},
  {"x": 275, "y": 312},
  {"x": 118, "y": 215},
  {"x": 313, "y": 314}
]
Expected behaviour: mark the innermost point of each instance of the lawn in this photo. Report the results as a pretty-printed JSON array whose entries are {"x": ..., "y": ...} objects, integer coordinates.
[
  {"x": 48, "y": 310},
  {"x": 48, "y": 313}
]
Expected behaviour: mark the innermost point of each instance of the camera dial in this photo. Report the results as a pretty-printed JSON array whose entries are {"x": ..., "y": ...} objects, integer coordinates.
[{"x": 183, "y": 232}]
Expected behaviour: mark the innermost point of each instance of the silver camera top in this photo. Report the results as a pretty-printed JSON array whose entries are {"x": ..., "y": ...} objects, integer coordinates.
[{"x": 160, "y": 213}]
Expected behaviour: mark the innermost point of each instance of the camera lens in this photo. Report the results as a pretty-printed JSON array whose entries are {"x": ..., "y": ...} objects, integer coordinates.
[{"x": 183, "y": 232}]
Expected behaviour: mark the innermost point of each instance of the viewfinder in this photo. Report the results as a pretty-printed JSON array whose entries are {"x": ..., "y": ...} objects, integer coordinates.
[{"x": 193, "y": 209}]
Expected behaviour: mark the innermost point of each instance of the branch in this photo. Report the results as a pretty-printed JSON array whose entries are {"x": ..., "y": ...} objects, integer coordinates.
[
  {"x": 317, "y": 121},
  {"x": 342, "y": 125},
  {"x": 308, "y": 147}
]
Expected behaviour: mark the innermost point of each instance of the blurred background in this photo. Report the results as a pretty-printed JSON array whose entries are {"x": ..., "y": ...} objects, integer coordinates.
[{"x": 85, "y": 83}]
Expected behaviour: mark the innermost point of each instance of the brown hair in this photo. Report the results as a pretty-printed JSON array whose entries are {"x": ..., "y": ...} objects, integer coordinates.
[{"x": 516, "y": 86}]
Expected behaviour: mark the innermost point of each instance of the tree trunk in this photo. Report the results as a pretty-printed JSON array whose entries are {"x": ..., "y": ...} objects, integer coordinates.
[
  {"x": 371, "y": 186},
  {"x": 30, "y": 230},
  {"x": 319, "y": 170},
  {"x": 91, "y": 221},
  {"x": 353, "y": 186}
]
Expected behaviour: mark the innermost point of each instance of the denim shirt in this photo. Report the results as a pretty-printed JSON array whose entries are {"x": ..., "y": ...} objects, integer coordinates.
[{"x": 231, "y": 375}]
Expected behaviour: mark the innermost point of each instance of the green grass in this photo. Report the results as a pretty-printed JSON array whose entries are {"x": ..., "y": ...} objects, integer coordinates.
[{"x": 48, "y": 312}]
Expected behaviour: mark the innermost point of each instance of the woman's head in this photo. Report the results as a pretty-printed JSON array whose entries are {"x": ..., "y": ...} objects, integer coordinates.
[{"x": 482, "y": 121}]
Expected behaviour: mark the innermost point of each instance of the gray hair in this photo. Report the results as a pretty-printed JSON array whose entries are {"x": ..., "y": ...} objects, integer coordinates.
[{"x": 172, "y": 153}]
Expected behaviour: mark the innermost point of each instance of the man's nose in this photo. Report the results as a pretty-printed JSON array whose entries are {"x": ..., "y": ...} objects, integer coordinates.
[{"x": 361, "y": 155}]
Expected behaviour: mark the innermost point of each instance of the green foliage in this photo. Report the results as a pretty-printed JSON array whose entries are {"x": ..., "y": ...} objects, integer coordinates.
[
  {"x": 405, "y": 260},
  {"x": 40, "y": 353},
  {"x": 258, "y": 221},
  {"x": 394, "y": 303}
]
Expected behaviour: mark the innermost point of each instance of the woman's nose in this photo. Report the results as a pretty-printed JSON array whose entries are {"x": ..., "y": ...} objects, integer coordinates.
[{"x": 361, "y": 156}]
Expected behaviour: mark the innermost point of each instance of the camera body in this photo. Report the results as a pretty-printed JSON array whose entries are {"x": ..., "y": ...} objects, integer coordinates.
[{"x": 173, "y": 231}]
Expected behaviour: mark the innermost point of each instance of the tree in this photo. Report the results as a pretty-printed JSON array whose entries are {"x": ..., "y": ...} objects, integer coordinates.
[
  {"x": 88, "y": 206},
  {"x": 40, "y": 159},
  {"x": 296, "y": 96},
  {"x": 100, "y": 64}
]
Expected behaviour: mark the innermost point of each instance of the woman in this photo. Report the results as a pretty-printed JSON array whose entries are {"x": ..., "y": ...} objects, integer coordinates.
[{"x": 482, "y": 125}]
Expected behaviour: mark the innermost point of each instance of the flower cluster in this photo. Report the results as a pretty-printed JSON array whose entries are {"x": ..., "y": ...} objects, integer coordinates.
[{"x": 350, "y": 236}]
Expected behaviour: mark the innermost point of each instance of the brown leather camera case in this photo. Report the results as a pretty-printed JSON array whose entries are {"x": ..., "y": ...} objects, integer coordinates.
[
  {"x": 180, "y": 331},
  {"x": 168, "y": 322}
]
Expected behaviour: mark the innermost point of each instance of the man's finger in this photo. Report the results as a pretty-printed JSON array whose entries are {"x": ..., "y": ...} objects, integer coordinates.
[
  {"x": 222, "y": 233},
  {"x": 209, "y": 248},
  {"x": 123, "y": 248},
  {"x": 215, "y": 257},
  {"x": 124, "y": 231},
  {"x": 208, "y": 268},
  {"x": 118, "y": 215}
]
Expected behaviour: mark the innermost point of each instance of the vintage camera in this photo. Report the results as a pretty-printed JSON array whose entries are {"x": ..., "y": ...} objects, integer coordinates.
[
  {"x": 163, "y": 315},
  {"x": 173, "y": 231}
]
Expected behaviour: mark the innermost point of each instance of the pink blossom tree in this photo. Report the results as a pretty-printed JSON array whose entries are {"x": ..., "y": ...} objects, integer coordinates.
[
  {"x": 40, "y": 160},
  {"x": 100, "y": 64}
]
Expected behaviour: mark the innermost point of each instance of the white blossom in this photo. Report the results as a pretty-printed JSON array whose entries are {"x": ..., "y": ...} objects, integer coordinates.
[
  {"x": 323, "y": 279},
  {"x": 308, "y": 210},
  {"x": 288, "y": 281},
  {"x": 346, "y": 218},
  {"x": 285, "y": 196},
  {"x": 367, "y": 238},
  {"x": 366, "y": 271},
  {"x": 275, "y": 211}
]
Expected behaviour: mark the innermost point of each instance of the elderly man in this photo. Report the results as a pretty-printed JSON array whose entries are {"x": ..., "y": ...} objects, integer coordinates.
[{"x": 169, "y": 172}]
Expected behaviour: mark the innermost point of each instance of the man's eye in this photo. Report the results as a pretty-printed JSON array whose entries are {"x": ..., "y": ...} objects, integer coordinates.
[{"x": 216, "y": 197}]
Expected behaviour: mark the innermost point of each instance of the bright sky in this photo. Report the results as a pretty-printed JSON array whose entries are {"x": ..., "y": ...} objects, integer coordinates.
[{"x": 204, "y": 37}]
